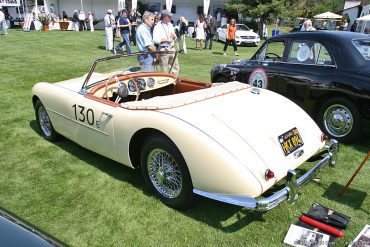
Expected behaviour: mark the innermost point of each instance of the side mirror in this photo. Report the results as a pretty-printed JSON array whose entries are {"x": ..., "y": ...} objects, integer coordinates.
[{"x": 251, "y": 30}]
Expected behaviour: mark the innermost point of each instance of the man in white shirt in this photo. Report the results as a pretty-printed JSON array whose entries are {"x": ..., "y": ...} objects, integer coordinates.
[
  {"x": 164, "y": 35},
  {"x": 3, "y": 26},
  {"x": 109, "y": 24}
]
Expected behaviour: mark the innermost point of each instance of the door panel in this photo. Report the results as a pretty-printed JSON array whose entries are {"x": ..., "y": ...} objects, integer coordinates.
[{"x": 93, "y": 123}]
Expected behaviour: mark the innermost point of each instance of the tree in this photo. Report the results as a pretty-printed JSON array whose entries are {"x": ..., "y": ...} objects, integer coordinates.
[{"x": 261, "y": 9}]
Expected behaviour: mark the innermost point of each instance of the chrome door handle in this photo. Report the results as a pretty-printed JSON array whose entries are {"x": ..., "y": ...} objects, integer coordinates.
[{"x": 107, "y": 114}]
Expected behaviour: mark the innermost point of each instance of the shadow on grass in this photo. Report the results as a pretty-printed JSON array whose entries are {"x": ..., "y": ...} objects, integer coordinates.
[
  {"x": 352, "y": 198},
  {"x": 222, "y": 216}
]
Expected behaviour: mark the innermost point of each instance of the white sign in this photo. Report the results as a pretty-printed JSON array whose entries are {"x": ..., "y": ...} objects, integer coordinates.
[
  {"x": 7, "y": 3},
  {"x": 206, "y": 6},
  {"x": 258, "y": 78},
  {"x": 169, "y": 5}
]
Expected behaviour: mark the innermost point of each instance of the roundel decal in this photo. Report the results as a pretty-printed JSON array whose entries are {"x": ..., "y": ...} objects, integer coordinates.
[
  {"x": 258, "y": 78},
  {"x": 303, "y": 53}
]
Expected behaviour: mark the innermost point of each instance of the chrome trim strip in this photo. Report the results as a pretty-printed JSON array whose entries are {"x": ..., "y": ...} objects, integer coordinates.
[{"x": 289, "y": 193}]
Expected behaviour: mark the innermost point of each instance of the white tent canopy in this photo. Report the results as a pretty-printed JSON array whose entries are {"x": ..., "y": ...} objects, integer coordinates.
[
  {"x": 363, "y": 25},
  {"x": 364, "y": 18},
  {"x": 327, "y": 15}
]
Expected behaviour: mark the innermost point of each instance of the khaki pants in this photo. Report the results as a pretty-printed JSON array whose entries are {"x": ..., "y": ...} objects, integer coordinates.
[{"x": 166, "y": 60}]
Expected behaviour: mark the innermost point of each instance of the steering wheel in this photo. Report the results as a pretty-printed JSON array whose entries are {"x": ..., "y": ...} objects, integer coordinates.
[
  {"x": 271, "y": 53},
  {"x": 105, "y": 95}
]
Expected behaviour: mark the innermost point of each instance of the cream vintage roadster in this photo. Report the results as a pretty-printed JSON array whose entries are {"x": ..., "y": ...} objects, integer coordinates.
[{"x": 229, "y": 142}]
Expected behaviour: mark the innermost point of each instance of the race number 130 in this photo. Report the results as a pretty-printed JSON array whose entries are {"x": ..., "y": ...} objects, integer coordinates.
[{"x": 84, "y": 115}]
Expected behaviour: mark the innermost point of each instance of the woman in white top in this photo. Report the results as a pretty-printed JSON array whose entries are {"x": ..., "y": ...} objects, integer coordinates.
[
  {"x": 81, "y": 20},
  {"x": 91, "y": 21},
  {"x": 199, "y": 31}
]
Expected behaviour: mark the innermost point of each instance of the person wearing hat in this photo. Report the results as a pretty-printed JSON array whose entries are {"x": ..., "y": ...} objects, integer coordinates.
[
  {"x": 124, "y": 24},
  {"x": 164, "y": 35},
  {"x": 109, "y": 24}
]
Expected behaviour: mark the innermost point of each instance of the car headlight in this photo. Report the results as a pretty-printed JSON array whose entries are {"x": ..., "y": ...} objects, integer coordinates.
[{"x": 237, "y": 36}]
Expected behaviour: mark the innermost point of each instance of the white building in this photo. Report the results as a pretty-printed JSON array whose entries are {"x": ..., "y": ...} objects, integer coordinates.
[{"x": 188, "y": 8}]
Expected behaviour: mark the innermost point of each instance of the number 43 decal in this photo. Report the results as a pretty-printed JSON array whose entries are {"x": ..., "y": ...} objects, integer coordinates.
[
  {"x": 258, "y": 78},
  {"x": 83, "y": 115}
]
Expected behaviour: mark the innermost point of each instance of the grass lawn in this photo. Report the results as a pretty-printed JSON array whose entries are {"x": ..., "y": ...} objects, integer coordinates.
[{"x": 84, "y": 199}]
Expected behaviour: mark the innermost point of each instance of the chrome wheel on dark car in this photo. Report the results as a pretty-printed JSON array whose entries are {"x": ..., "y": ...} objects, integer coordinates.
[
  {"x": 165, "y": 172},
  {"x": 340, "y": 119}
]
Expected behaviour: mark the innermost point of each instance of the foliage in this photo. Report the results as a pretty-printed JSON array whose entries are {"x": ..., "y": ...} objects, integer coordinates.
[
  {"x": 45, "y": 19},
  {"x": 84, "y": 199}
]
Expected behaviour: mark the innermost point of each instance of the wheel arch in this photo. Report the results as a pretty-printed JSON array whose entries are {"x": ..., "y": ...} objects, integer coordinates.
[
  {"x": 34, "y": 100},
  {"x": 329, "y": 95},
  {"x": 137, "y": 141}
]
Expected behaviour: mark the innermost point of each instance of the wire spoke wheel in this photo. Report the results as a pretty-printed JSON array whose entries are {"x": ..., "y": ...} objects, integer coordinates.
[
  {"x": 164, "y": 173},
  {"x": 44, "y": 121}
]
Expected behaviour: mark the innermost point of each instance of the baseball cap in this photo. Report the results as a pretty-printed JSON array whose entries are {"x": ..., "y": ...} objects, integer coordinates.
[{"x": 109, "y": 11}]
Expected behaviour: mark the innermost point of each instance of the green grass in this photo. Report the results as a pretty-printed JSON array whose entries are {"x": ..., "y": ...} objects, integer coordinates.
[{"x": 84, "y": 199}]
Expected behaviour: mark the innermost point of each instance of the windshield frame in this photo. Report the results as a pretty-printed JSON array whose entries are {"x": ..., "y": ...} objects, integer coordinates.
[{"x": 86, "y": 86}]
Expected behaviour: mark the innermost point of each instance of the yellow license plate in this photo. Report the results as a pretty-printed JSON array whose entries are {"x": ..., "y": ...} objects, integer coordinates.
[{"x": 290, "y": 141}]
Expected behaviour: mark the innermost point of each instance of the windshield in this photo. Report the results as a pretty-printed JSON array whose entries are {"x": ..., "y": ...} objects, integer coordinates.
[
  {"x": 363, "y": 46},
  {"x": 242, "y": 28},
  {"x": 107, "y": 67}
]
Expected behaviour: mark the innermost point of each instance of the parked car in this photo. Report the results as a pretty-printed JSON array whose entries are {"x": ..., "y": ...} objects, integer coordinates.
[
  {"x": 16, "y": 232},
  {"x": 188, "y": 137},
  {"x": 326, "y": 73},
  {"x": 243, "y": 35}
]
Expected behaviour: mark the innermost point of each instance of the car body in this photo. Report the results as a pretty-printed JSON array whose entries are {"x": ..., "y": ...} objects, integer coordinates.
[
  {"x": 325, "y": 72},
  {"x": 243, "y": 35},
  {"x": 188, "y": 137},
  {"x": 16, "y": 232}
]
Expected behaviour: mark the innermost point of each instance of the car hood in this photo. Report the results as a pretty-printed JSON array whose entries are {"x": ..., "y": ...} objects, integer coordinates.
[
  {"x": 248, "y": 124},
  {"x": 245, "y": 33}
]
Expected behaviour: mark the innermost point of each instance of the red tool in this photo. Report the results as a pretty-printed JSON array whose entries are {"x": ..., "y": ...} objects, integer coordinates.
[{"x": 321, "y": 226}]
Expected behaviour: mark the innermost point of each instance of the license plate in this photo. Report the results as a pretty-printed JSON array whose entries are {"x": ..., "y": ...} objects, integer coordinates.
[{"x": 290, "y": 141}]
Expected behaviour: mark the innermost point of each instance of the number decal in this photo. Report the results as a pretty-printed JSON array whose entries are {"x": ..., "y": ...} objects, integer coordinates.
[
  {"x": 258, "y": 78},
  {"x": 82, "y": 115},
  {"x": 90, "y": 116}
]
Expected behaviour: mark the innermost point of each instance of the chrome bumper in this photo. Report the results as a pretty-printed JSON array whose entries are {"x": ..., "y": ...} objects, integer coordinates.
[{"x": 289, "y": 193}]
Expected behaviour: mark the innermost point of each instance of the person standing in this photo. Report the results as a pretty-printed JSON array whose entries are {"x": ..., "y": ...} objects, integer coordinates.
[
  {"x": 183, "y": 26},
  {"x": 211, "y": 30},
  {"x": 223, "y": 19},
  {"x": 134, "y": 17},
  {"x": 65, "y": 16},
  {"x": 199, "y": 32},
  {"x": 109, "y": 24},
  {"x": 91, "y": 21},
  {"x": 144, "y": 42},
  {"x": 164, "y": 35},
  {"x": 124, "y": 26},
  {"x": 3, "y": 25},
  {"x": 75, "y": 20},
  {"x": 82, "y": 21},
  {"x": 230, "y": 38}
]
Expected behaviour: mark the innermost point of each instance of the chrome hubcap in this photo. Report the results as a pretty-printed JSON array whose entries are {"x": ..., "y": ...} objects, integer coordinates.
[
  {"x": 338, "y": 120},
  {"x": 44, "y": 121},
  {"x": 164, "y": 173}
]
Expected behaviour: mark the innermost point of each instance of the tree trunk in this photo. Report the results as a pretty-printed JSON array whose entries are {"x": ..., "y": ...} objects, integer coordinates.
[
  {"x": 260, "y": 26},
  {"x": 129, "y": 5}
]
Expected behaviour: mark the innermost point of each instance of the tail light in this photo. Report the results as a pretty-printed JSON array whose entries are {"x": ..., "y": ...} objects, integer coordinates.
[
  {"x": 269, "y": 174},
  {"x": 324, "y": 137}
]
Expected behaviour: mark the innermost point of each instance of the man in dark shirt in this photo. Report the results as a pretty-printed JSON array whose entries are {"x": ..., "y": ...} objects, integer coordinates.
[{"x": 124, "y": 25}]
